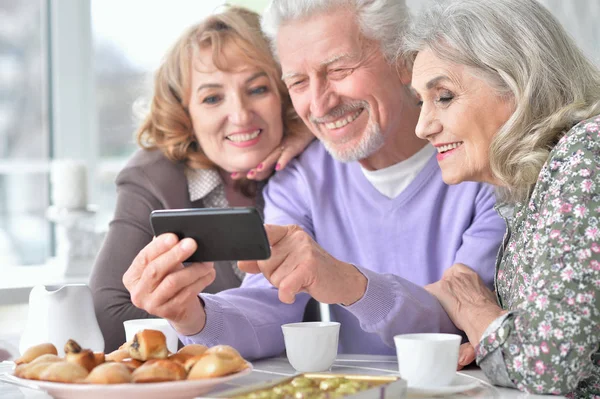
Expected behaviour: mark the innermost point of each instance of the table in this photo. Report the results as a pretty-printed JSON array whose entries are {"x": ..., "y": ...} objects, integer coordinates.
[{"x": 275, "y": 368}]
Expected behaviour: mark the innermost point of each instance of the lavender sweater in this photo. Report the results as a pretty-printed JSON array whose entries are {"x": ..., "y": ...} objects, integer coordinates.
[{"x": 399, "y": 244}]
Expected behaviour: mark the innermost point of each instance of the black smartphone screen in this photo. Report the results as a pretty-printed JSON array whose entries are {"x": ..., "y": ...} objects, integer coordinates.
[{"x": 221, "y": 233}]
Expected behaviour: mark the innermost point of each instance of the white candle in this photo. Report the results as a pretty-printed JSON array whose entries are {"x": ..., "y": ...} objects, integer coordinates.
[{"x": 68, "y": 182}]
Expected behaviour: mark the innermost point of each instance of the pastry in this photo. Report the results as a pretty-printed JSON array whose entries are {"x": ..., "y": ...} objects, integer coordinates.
[
  {"x": 64, "y": 372},
  {"x": 188, "y": 352},
  {"x": 99, "y": 357},
  {"x": 72, "y": 347},
  {"x": 47, "y": 358},
  {"x": 148, "y": 344},
  {"x": 117, "y": 356},
  {"x": 126, "y": 345},
  {"x": 216, "y": 362},
  {"x": 131, "y": 364},
  {"x": 213, "y": 365},
  {"x": 32, "y": 371},
  {"x": 109, "y": 373},
  {"x": 36, "y": 351},
  {"x": 225, "y": 350},
  {"x": 189, "y": 363},
  {"x": 83, "y": 357},
  {"x": 159, "y": 370}
]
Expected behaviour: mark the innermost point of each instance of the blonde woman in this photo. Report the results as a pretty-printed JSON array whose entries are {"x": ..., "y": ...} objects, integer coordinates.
[
  {"x": 219, "y": 112},
  {"x": 508, "y": 99}
]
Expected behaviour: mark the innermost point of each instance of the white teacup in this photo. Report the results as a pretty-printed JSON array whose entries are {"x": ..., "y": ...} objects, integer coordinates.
[
  {"x": 133, "y": 326},
  {"x": 427, "y": 360},
  {"x": 311, "y": 346}
]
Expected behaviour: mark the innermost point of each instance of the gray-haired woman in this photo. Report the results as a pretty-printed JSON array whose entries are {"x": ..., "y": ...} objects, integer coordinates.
[{"x": 507, "y": 98}]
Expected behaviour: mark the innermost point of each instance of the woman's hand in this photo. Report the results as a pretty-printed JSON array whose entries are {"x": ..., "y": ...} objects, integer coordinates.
[
  {"x": 160, "y": 284},
  {"x": 466, "y": 355},
  {"x": 469, "y": 303},
  {"x": 291, "y": 145}
]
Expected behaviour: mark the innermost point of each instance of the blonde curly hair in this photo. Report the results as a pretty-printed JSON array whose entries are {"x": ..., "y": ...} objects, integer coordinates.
[{"x": 167, "y": 125}]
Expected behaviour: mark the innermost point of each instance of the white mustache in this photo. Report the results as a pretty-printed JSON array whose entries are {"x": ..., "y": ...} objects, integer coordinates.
[{"x": 340, "y": 111}]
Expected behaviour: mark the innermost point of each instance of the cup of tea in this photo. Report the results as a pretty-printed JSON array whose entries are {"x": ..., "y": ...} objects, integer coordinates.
[
  {"x": 162, "y": 325},
  {"x": 311, "y": 346},
  {"x": 427, "y": 360}
]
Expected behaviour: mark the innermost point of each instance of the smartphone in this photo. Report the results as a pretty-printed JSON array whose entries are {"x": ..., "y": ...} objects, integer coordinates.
[{"x": 221, "y": 233}]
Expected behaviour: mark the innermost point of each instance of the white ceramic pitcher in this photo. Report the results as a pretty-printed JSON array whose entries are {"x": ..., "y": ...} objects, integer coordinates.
[{"x": 57, "y": 314}]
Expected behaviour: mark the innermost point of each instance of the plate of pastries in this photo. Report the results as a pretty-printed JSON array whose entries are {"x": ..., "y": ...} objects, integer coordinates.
[{"x": 142, "y": 368}]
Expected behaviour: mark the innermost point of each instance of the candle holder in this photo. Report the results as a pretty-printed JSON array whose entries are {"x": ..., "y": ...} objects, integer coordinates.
[{"x": 77, "y": 238}]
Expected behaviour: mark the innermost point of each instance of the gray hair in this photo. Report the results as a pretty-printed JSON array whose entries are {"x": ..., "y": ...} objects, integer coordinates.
[
  {"x": 383, "y": 21},
  {"x": 521, "y": 50}
]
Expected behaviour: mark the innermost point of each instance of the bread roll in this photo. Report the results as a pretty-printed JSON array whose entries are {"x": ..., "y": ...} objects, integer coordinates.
[
  {"x": 159, "y": 370},
  {"x": 149, "y": 344},
  {"x": 109, "y": 373},
  {"x": 65, "y": 372},
  {"x": 36, "y": 351}
]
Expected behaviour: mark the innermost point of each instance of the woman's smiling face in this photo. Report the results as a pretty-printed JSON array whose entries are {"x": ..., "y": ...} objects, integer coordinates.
[
  {"x": 236, "y": 115},
  {"x": 460, "y": 115}
]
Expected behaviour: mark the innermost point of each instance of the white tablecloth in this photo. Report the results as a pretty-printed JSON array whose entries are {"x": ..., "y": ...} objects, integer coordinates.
[{"x": 275, "y": 368}]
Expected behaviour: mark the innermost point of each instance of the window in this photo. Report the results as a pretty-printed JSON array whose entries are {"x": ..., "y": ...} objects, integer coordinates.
[
  {"x": 62, "y": 99},
  {"x": 25, "y": 235},
  {"x": 128, "y": 46}
]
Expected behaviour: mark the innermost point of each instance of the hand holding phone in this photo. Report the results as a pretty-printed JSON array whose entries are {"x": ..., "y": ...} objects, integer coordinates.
[{"x": 222, "y": 234}]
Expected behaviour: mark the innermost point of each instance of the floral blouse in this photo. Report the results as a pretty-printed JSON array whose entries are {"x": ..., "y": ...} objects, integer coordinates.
[{"x": 548, "y": 278}]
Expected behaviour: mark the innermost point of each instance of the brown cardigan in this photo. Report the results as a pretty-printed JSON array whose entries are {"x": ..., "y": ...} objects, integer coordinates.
[{"x": 149, "y": 181}]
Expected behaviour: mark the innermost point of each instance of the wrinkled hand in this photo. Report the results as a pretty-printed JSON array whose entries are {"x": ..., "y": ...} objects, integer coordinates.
[
  {"x": 291, "y": 146},
  {"x": 466, "y": 355},
  {"x": 298, "y": 264},
  {"x": 160, "y": 285},
  {"x": 468, "y": 302}
]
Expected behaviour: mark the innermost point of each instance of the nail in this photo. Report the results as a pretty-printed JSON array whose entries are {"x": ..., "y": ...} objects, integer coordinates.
[
  {"x": 278, "y": 166},
  {"x": 260, "y": 166},
  {"x": 251, "y": 173},
  {"x": 170, "y": 239},
  {"x": 234, "y": 175},
  {"x": 187, "y": 244}
]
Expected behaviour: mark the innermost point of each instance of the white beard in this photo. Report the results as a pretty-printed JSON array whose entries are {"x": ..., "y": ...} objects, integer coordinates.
[{"x": 371, "y": 141}]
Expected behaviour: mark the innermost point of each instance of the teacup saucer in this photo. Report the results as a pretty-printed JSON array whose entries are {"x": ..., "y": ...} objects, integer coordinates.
[{"x": 460, "y": 383}]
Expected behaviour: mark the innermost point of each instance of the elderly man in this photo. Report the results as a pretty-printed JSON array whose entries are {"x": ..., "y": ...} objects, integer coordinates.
[{"x": 362, "y": 220}]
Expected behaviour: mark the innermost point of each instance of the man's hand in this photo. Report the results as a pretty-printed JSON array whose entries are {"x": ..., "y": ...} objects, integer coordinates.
[
  {"x": 160, "y": 285},
  {"x": 469, "y": 303},
  {"x": 298, "y": 264}
]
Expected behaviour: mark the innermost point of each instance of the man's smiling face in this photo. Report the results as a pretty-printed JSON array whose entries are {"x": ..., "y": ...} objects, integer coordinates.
[{"x": 340, "y": 83}]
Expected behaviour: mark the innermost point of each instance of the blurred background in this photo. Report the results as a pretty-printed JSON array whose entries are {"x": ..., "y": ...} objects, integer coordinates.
[{"x": 70, "y": 71}]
